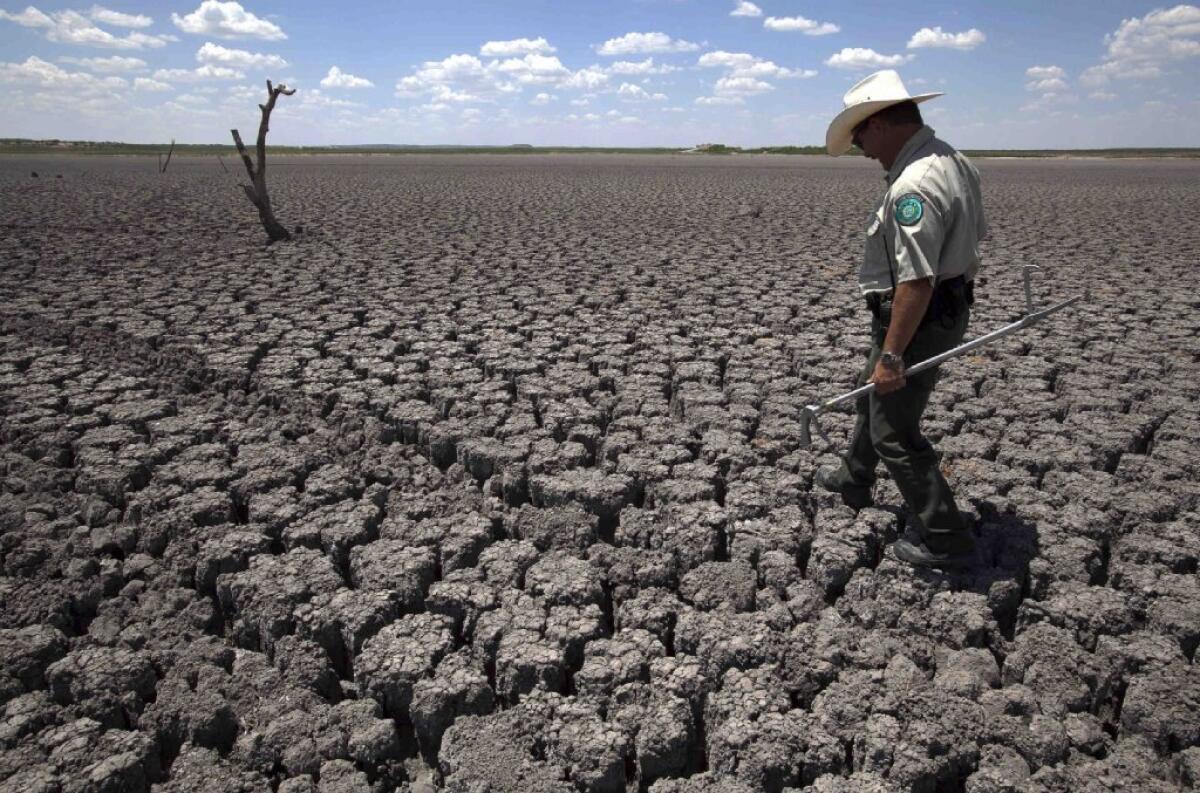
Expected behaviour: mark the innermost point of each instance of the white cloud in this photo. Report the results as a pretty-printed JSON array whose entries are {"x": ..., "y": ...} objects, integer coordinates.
[
  {"x": 39, "y": 74},
  {"x": 29, "y": 18},
  {"x": 1045, "y": 73},
  {"x": 210, "y": 72},
  {"x": 110, "y": 65},
  {"x": 719, "y": 100},
  {"x": 1046, "y": 86},
  {"x": 147, "y": 84},
  {"x": 590, "y": 79},
  {"x": 117, "y": 19},
  {"x": 1171, "y": 33},
  {"x": 313, "y": 98},
  {"x": 543, "y": 99},
  {"x": 339, "y": 79},
  {"x": 1143, "y": 47},
  {"x": 864, "y": 58},
  {"x": 72, "y": 27},
  {"x": 215, "y": 53},
  {"x": 741, "y": 86},
  {"x": 1101, "y": 73},
  {"x": 1102, "y": 96},
  {"x": 1046, "y": 79},
  {"x": 742, "y": 64},
  {"x": 806, "y": 26},
  {"x": 647, "y": 66},
  {"x": 505, "y": 49},
  {"x": 227, "y": 20},
  {"x": 532, "y": 68},
  {"x": 643, "y": 43},
  {"x": 723, "y": 58},
  {"x": 466, "y": 78},
  {"x": 635, "y": 93},
  {"x": 581, "y": 102},
  {"x": 457, "y": 78},
  {"x": 206, "y": 72},
  {"x": 937, "y": 38},
  {"x": 746, "y": 9},
  {"x": 1050, "y": 103},
  {"x": 746, "y": 75}
]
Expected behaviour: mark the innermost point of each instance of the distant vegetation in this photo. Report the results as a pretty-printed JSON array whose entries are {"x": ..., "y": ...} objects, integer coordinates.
[{"x": 26, "y": 146}]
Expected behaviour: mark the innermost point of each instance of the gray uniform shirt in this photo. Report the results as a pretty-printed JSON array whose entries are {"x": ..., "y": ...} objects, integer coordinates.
[{"x": 930, "y": 220}]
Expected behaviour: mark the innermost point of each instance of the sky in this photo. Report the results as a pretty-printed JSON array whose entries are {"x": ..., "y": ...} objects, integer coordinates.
[{"x": 1017, "y": 74}]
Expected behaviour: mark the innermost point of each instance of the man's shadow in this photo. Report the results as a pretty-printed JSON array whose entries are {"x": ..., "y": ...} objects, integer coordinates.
[{"x": 1005, "y": 544}]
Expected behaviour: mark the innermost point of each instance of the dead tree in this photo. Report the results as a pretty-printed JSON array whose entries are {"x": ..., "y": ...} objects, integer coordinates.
[
  {"x": 162, "y": 166},
  {"x": 256, "y": 191}
]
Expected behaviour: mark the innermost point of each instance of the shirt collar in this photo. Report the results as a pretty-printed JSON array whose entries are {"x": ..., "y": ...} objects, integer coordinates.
[{"x": 919, "y": 139}]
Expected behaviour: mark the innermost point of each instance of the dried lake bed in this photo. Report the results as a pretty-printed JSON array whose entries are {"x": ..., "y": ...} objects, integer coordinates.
[{"x": 490, "y": 480}]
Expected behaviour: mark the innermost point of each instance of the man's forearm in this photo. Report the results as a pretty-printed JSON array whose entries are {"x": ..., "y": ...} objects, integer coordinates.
[{"x": 908, "y": 308}]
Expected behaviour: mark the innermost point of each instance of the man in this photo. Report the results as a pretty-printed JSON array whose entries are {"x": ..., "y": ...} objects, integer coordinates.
[{"x": 922, "y": 254}]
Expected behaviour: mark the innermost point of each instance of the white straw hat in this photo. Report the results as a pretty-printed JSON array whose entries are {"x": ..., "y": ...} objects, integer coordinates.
[{"x": 868, "y": 96}]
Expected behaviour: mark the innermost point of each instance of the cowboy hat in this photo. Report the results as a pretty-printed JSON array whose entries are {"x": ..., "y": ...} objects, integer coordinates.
[{"x": 868, "y": 96}]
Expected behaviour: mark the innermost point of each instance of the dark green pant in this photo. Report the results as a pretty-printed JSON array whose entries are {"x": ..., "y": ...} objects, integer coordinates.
[{"x": 888, "y": 429}]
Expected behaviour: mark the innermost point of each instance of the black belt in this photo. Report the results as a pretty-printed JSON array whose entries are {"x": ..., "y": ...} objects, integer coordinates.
[{"x": 947, "y": 299}]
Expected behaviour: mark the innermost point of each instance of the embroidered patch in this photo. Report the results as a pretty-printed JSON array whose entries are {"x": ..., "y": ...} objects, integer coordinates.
[{"x": 909, "y": 209}]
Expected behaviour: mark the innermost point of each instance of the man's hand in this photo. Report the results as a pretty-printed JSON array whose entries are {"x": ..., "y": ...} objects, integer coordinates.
[
  {"x": 886, "y": 379},
  {"x": 908, "y": 307}
]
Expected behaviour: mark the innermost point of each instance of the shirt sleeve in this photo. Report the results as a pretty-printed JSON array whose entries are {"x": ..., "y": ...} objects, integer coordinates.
[{"x": 915, "y": 229}]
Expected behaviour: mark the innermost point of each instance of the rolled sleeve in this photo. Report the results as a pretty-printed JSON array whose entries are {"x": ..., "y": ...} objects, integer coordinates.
[{"x": 917, "y": 245}]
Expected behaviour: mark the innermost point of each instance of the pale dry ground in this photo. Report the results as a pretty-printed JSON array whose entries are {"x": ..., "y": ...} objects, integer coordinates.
[{"x": 490, "y": 480}]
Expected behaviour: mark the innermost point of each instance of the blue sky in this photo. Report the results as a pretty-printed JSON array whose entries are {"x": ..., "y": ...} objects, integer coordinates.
[{"x": 597, "y": 72}]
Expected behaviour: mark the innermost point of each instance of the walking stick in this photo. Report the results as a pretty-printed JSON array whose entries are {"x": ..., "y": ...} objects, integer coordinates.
[{"x": 808, "y": 416}]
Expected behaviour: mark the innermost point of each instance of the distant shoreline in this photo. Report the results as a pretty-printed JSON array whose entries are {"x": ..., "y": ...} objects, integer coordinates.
[{"x": 103, "y": 148}]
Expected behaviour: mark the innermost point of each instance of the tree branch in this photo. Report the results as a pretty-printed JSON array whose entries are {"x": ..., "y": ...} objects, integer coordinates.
[
  {"x": 241, "y": 147},
  {"x": 256, "y": 191},
  {"x": 169, "y": 153}
]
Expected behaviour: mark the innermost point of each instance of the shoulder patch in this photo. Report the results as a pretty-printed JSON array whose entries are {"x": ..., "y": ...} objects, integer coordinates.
[{"x": 910, "y": 208}]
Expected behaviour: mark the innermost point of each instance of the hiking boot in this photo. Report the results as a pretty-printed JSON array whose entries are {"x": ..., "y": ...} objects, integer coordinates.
[
  {"x": 913, "y": 533},
  {"x": 920, "y": 554},
  {"x": 853, "y": 496}
]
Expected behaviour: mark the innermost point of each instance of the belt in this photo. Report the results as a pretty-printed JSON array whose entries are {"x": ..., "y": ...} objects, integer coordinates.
[{"x": 946, "y": 300}]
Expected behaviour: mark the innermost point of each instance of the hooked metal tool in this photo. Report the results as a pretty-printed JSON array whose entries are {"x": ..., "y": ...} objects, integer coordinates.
[{"x": 808, "y": 416}]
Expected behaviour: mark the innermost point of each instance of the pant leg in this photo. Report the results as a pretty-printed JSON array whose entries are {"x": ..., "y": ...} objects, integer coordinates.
[
  {"x": 857, "y": 470},
  {"x": 895, "y": 430},
  {"x": 860, "y": 460}
]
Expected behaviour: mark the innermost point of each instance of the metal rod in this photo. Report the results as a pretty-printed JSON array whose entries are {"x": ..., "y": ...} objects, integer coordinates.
[
  {"x": 810, "y": 412},
  {"x": 1027, "y": 275},
  {"x": 1023, "y": 322}
]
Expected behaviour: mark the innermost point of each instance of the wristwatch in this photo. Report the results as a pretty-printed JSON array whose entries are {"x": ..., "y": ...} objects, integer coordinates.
[{"x": 892, "y": 361}]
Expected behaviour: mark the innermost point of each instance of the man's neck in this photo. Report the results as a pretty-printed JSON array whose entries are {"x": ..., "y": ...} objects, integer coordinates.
[{"x": 895, "y": 144}]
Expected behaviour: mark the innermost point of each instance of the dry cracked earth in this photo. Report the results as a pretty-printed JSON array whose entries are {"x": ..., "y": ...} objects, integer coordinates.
[{"x": 490, "y": 481}]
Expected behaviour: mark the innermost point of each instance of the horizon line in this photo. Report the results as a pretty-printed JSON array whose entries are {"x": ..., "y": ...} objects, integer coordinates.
[{"x": 8, "y": 145}]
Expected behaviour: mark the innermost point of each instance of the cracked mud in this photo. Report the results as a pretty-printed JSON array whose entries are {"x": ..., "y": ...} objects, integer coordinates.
[{"x": 490, "y": 481}]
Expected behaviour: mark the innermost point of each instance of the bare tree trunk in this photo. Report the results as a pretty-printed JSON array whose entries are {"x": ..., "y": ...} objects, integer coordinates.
[
  {"x": 170, "y": 151},
  {"x": 256, "y": 191}
]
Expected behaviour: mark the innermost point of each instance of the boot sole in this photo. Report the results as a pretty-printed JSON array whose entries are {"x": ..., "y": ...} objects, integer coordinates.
[{"x": 918, "y": 559}]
